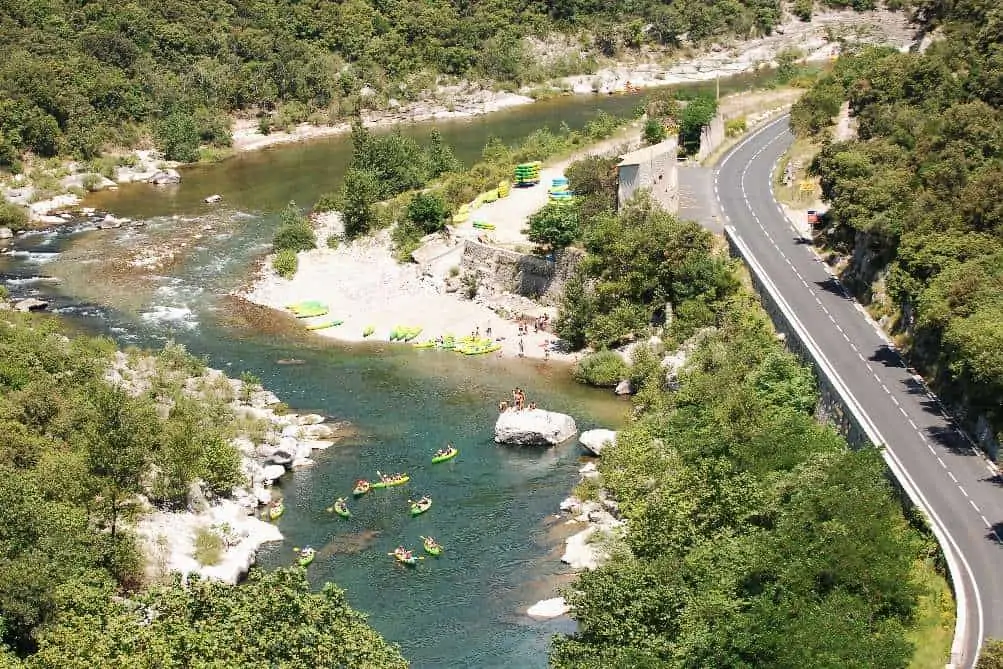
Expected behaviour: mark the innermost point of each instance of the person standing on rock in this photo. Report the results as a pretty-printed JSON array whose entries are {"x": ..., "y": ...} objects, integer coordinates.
[{"x": 522, "y": 347}]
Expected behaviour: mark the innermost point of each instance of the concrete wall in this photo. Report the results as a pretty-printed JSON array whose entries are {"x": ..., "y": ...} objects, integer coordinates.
[
  {"x": 654, "y": 168},
  {"x": 711, "y": 136},
  {"x": 501, "y": 270}
]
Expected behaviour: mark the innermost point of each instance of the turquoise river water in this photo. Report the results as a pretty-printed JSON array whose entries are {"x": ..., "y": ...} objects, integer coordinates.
[{"x": 494, "y": 507}]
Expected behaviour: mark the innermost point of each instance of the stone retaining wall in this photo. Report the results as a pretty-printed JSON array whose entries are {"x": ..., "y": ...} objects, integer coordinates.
[{"x": 502, "y": 270}]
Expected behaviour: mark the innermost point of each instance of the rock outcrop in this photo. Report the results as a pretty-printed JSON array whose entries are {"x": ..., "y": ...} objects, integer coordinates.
[
  {"x": 165, "y": 177},
  {"x": 595, "y": 441},
  {"x": 548, "y": 608},
  {"x": 30, "y": 304},
  {"x": 534, "y": 427}
]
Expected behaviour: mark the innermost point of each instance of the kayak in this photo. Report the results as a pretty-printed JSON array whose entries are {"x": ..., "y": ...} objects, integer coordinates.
[
  {"x": 361, "y": 488},
  {"x": 431, "y": 343},
  {"x": 341, "y": 508},
  {"x": 431, "y": 546},
  {"x": 388, "y": 484},
  {"x": 306, "y": 557},
  {"x": 370, "y": 329},
  {"x": 448, "y": 455},
  {"x": 306, "y": 305},
  {"x": 403, "y": 559},
  {"x": 478, "y": 350},
  {"x": 324, "y": 324},
  {"x": 276, "y": 511},
  {"x": 310, "y": 312},
  {"x": 411, "y": 333},
  {"x": 418, "y": 508}
]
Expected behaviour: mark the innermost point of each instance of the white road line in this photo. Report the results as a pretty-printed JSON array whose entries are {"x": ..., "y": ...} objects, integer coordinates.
[{"x": 952, "y": 477}]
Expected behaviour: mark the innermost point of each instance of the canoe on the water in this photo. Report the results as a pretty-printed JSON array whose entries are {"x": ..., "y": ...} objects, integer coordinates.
[
  {"x": 431, "y": 546},
  {"x": 418, "y": 508},
  {"x": 276, "y": 511},
  {"x": 448, "y": 455},
  {"x": 361, "y": 488},
  {"x": 388, "y": 484},
  {"x": 405, "y": 559},
  {"x": 306, "y": 557},
  {"x": 341, "y": 509}
]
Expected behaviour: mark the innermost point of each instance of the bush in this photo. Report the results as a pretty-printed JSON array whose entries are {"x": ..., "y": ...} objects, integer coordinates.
[
  {"x": 294, "y": 233},
  {"x": 604, "y": 369},
  {"x": 803, "y": 9},
  {"x": 735, "y": 127},
  {"x": 91, "y": 182},
  {"x": 285, "y": 263},
  {"x": 654, "y": 131},
  {"x": 178, "y": 137},
  {"x": 428, "y": 212},
  {"x": 359, "y": 194},
  {"x": 327, "y": 202},
  {"x": 697, "y": 113},
  {"x": 13, "y": 216},
  {"x": 208, "y": 547}
]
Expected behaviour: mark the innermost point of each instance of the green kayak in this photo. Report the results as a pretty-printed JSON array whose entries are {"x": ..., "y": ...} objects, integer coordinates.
[
  {"x": 276, "y": 510},
  {"x": 340, "y": 508},
  {"x": 310, "y": 313},
  {"x": 306, "y": 556},
  {"x": 445, "y": 454},
  {"x": 431, "y": 546},
  {"x": 421, "y": 506},
  {"x": 324, "y": 324},
  {"x": 306, "y": 305},
  {"x": 399, "y": 479},
  {"x": 370, "y": 329}
]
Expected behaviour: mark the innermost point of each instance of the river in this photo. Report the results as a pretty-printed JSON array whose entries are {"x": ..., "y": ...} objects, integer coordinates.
[{"x": 493, "y": 506}]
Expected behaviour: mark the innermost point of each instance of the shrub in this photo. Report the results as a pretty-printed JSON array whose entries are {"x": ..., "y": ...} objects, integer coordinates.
[
  {"x": 333, "y": 241},
  {"x": 327, "y": 202},
  {"x": 285, "y": 263},
  {"x": 91, "y": 182},
  {"x": 735, "y": 127},
  {"x": 359, "y": 193},
  {"x": 294, "y": 232},
  {"x": 428, "y": 212},
  {"x": 178, "y": 137},
  {"x": 13, "y": 216},
  {"x": 654, "y": 131},
  {"x": 604, "y": 369}
]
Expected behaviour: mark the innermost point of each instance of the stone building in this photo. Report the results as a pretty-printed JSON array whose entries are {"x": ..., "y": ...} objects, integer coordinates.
[{"x": 654, "y": 168}]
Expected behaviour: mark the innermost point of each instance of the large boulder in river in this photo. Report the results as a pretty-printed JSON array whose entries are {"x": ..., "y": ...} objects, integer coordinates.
[
  {"x": 31, "y": 304},
  {"x": 595, "y": 441},
  {"x": 534, "y": 427},
  {"x": 165, "y": 177}
]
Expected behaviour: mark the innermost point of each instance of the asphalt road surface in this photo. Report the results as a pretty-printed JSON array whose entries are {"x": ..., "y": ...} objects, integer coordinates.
[{"x": 957, "y": 487}]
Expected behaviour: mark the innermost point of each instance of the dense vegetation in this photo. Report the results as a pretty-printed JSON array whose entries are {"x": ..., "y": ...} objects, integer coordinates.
[
  {"x": 755, "y": 537},
  {"x": 78, "y": 76},
  {"x": 75, "y": 454},
  {"x": 915, "y": 199}
]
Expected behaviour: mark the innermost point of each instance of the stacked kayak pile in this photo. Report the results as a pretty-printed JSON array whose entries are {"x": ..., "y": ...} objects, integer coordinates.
[
  {"x": 504, "y": 188},
  {"x": 476, "y": 345},
  {"x": 405, "y": 333},
  {"x": 323, "y": 324},
  {"x": 559, "y": 192},
  {"x": 527, "y": 174}
]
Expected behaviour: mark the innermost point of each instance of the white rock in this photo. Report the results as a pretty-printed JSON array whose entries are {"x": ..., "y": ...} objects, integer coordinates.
[
  {"x": 534, "y": 427},
  {"x": 548, "y": 608},
  {"x": 272, "y": 472},
  {"x": 303, "y": 450},
  {"x": 302, "y": 463},
  {"x": 30, "y": 304},
  {"x": 578, "y": 553},
  {"x": 319, "y": 444},
  {"x": 310, "y": 419},
  {"x": 6, "y": 233},
  {"x": 571, "y": 504},
  {"x": 164, "y": 177},
  {"x": 243, "y": 444},
  {"x": 595, "y": 441},
  {"x": 316, "y": 432},
  {"x": 589, "y": 471},
  {"x": 291, "y": 431},
  {"x": 624, "y": 388}
]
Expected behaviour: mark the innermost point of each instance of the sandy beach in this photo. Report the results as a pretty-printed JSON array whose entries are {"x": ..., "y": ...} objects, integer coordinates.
[{"x": 364, "y": 286}]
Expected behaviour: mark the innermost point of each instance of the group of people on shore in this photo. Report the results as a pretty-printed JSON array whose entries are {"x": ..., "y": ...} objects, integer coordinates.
[
  {"x": 518, "y": 402},
  {"x": 540, "y": 324}
]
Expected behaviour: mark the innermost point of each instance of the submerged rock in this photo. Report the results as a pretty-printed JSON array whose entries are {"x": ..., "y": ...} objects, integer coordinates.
[
  {"x": 534, "y": 427},
  {"x": 548, "y": 608},
  {"x": 595, "y": 441}
]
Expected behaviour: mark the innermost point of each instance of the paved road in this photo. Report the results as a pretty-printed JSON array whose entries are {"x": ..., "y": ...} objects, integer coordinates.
[{"x": 960, "y": 489}]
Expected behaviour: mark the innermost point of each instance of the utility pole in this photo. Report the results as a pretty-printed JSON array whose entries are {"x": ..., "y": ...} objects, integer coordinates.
[{"x": 717, "y": 85}]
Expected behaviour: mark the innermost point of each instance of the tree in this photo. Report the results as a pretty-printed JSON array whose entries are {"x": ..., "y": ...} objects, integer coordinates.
[
  {"x": 12, "y": 216},
  {"x": 178, "y": 137},
  {"x": 554, "y": 227},
  {"x": 359, "y": 193},
  {"x": 440, "y": 156},
  {"x": 207, "y": 623},
  {"x": 428, "y": 212},
  {"x": 991, "y": 656}
]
